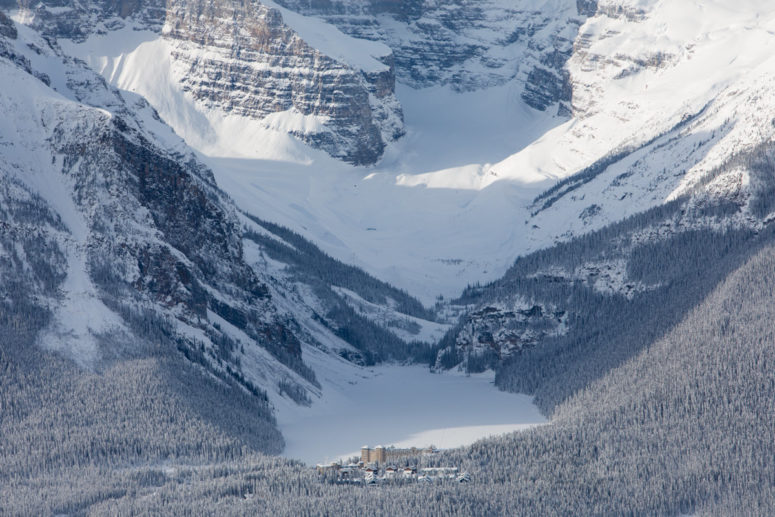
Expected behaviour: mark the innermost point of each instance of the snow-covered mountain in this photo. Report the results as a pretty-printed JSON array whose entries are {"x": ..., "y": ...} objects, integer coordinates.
[
  {"x": 227, "y": 93},
  {"x": 671, "y": 139},
  {"x": 116, "y": 241},
  {"x": 647, "y": 115},
  {"x": 214, "y": 214},
  {"x": 491, "y": 178},
  {"x": 641, "y": 114},
  {"x": 469, "y": 45},
  {"x": 663, "y": 94},
  {"x": 217, "y": 70}
]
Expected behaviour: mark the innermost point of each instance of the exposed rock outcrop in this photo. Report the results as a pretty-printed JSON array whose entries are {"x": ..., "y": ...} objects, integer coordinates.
[
  {"x": 241, "y": 58},
  {"x": 491, "y": 334},
  {"x": 468, "y": 45}
]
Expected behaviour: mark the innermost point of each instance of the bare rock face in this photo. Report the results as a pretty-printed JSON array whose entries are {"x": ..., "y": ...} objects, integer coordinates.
[
  {"x": 241, "y": 58},
  {"x": 587, "y": 7},
  {"x": 491, "y": 334},
  {"x": 468, "y": 45},
  {"x": 115, "y": 244},
  {"x": 78, "y": 20},
  {"x": 7, "y": 28}
]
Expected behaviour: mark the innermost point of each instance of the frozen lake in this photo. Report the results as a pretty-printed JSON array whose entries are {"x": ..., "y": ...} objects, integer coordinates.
[{"x": 402, "y": 406}]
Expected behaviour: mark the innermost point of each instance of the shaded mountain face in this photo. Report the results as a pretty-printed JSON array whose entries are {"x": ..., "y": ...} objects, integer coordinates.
[
  {"x": 243, "y": 60},
  {"x": 469, "y": 45}
]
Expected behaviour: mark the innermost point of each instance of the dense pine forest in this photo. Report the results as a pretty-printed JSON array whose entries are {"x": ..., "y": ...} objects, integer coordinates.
[{"x": 679, "y": 422}]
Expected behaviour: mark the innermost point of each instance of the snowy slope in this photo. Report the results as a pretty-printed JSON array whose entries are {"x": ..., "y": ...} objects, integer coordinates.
[
  {"x": 28, "y": 159},
  {"x": 420, "y": 219},
  {"x": 252, "y": 63},
  {"x": 664, "y": 93}
]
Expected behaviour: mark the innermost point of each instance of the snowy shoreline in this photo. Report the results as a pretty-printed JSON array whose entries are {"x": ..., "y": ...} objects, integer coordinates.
[{"x": 401, "y": 406}]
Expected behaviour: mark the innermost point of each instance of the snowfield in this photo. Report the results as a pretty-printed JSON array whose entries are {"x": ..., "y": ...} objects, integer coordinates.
[
  {"x": 422, "y": 219},
  {"x": 403, "y": 406},
  {"x": 426, "y": 217}
]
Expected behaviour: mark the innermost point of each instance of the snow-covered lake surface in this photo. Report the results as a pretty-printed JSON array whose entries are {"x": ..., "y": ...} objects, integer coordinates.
[{"x": 403, "y": 406}]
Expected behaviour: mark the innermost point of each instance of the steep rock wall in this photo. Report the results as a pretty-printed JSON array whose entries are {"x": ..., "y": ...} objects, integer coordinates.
[{"x": 242, "y": 59}]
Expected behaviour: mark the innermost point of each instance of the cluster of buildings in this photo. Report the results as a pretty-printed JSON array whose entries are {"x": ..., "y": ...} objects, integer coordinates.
[
  {"x": 378, "y": 464},
  {"x": 381, "y": 455}
]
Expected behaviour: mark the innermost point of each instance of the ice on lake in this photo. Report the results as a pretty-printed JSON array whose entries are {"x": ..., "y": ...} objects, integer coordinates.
[{"x": 402, "y": 406}]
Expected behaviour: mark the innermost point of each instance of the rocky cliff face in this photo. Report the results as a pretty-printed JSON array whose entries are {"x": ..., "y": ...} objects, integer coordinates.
[
  {"x": 493, "y": 333},
  {"x": 469, "y": 45},
  {"x": 78, "y": 20},
  {"x": 242, "y": 59},
  {"x": 122, "y": 241}
]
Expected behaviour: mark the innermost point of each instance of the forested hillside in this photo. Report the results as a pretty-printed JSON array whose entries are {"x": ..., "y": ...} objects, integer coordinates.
[
  {"x": 564, "y": 316},
  {"x": 683, "y": 427}
]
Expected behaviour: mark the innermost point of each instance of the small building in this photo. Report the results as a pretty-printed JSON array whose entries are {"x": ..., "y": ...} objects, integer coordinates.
[
  {"x": 348, "y": 471},
  {"x": 331, "y": 467}
]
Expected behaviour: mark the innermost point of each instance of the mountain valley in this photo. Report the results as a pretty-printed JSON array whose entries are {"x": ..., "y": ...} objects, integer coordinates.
[{"x": 237, "y": 235}]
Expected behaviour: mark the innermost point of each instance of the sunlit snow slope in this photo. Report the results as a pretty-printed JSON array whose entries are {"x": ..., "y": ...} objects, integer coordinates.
[{"x": 420, "y": 219}]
